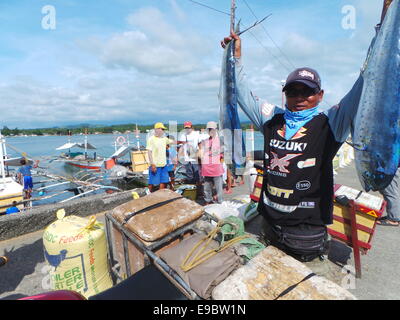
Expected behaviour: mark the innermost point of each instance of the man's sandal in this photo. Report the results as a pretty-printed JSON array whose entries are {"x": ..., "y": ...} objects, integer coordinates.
[{"x": 387, "y": 222}]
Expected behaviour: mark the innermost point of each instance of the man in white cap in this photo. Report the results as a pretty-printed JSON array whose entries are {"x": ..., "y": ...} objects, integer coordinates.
[
  {"x": 211, "y": 156},
  {"x": 190, "y": 140}
]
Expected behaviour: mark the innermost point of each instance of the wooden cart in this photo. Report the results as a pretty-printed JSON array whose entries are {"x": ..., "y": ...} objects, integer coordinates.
[{"x": 129, "y": 244}]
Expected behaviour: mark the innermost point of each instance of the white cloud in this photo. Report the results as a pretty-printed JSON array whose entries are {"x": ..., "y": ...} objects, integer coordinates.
[
  {"x": 133, "y": 49},
  {"x": 337, "y": 56},
  {"x": 154, "y": 46},
  {"x": 150, "y": 70},
  {"x": 178, "y": 11},
  {"x": 159, "y": 68}
]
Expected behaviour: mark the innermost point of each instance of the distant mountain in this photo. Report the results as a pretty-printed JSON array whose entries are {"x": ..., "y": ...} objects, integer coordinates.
[
  {"x": 95, "y": 127},
  {"x": 81, "y": 125}
]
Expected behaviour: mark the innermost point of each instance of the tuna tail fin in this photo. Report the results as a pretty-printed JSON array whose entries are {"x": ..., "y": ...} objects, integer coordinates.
[{"x": 237, "y": 28}]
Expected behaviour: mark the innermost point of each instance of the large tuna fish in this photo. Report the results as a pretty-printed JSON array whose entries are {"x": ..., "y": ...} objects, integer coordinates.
[
  {"x": 376, "y": 135},
  {"x": 234, "y": 146}
]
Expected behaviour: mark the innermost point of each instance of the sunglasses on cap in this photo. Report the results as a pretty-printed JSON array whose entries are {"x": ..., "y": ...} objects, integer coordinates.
[{"x": 303, "y": 92}]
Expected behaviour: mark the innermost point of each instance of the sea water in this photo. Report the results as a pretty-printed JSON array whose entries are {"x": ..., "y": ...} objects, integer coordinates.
[{"x": 43, "y": 148}]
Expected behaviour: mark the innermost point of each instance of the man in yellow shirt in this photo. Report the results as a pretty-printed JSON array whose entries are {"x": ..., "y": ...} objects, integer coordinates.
[{"x": 157, "y": 150}]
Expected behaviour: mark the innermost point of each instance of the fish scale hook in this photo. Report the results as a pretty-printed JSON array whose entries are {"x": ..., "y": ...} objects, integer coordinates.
[{"x": 359, "y": 147}]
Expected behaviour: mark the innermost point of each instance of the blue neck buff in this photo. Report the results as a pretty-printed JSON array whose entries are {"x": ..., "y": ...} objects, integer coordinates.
[{"x": 295, "y": 120}]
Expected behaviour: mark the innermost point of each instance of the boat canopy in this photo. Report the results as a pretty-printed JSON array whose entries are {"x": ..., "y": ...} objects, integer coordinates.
[
  {"x": 121, "y": 151},
  {"x": 16, "y": 162},
  {"x": 70, "y": 145}
]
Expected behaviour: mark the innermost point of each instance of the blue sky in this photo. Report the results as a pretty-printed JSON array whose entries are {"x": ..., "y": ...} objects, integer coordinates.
[{"x": 131, "y": 61}]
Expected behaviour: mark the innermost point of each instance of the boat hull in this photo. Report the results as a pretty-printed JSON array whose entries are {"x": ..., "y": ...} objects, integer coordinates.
[
  {"x": 96, "y": 165},
  {"x": 10, "y": 191}
]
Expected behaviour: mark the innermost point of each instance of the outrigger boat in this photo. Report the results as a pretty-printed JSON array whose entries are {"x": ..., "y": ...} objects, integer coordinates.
[
  {"x": 81, "y": 184},
  {"x": 10, "y": 189},
  {"x": 136, "y": 168},
  {"x": 54, "y": 187},
  {"x": 80, "y": 159}
]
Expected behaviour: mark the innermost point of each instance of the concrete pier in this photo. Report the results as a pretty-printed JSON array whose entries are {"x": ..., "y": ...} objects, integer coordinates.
[
  {"x": 38, "y": 218},
  {"x": 25, "y": 273}
]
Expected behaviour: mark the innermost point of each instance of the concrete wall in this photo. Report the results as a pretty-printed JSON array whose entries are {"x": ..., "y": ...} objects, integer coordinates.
[{"x": 38, "y": 218}]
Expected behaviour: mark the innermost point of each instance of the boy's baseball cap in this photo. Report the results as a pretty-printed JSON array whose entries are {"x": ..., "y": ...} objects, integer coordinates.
[
  {"x": 159, "y": 125},
  {"x": 187, "y": 124},
  {"x": 307, "y": 76}
]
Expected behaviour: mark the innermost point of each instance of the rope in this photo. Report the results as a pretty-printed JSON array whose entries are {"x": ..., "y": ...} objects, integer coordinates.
[
  {"x": 201, "y": 4},
  {"x": 151, "y": 207},
  {"x": 200, "y": 257},
  {"x": 327, "y": 103},
  {"x": 90, "y": 225},
  {"x": 22, "y": 153},
  {"x": 268, "y": 35},
  {"x": 287, "y": 290}
]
